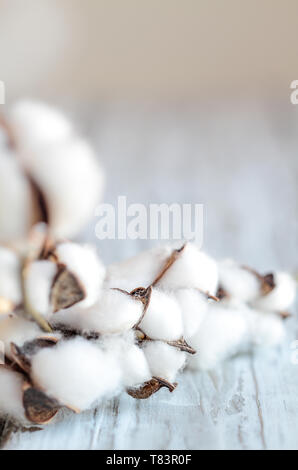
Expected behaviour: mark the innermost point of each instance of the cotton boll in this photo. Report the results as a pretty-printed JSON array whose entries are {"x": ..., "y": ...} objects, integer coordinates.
[
  {"x": 83, "y": 262},
  {"x": 138, "y": 271},
  {"x": 71, "y": 181},
  {"x": 164, "y": 361},
  {"x": 163, "y": 318},
  {"x": 134, "y": 367},
  {"x": 18, "y": 330},
  {"x": 193, "y": 305},
  {"x": 222, "y": 334},
  {"x": 132, "y": 360},
  {"x": 10, "y": 282},
  {"x": 115, "y": 312},
  {"x": 76, "y": 373},
  {"x": 15, "y": 200},
  {"x": 239, "y": 283},
  {"x": 38, "y": 284},
  {"x": 11, "y": 396},
  {"x": 266, "y": 330},
  {"x": 281, "y": 297},
  {"x": 35, "y": 124},
  {"x": 193, "y": 268}
]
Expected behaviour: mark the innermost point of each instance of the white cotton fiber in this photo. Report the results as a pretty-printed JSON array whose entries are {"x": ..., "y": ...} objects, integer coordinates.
[
  {"x": 14, "y": 329},
  {"x": 83, "y": 262},
  {"x": 281, "y": 297},
  {"x": 134, "y": 367},
  {"x": 266, "y": 330},
  {"x": 72, "y": 183},
  {"x": 164, "y": 361},
  {"x": 10, "y": 276},
  {"x": 138, "y": 271},
  {"x": 193, "y": 305},
  {"x": 38, "y": 284},
  {"x": 222, "y": 334},
  {"x": 163, "y": 318},
  {"x": 193, "y": 268},
  {"x": 115, "y": 312},
  {"x": 15, "y": 199},
  {"x": 36, "y": 124},
  {"x": 76, "y": 372},
  {"x": 129, "y": 355},
  {"x": 239, "y": 283},
  {"x": 11, "y": 396}
]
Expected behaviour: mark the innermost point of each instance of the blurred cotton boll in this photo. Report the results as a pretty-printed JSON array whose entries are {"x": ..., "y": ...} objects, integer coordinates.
[{"x": 55, "y": 174}]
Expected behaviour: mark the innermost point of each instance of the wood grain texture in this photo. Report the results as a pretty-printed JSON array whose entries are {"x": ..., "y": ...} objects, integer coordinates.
[{"x": 242, "y": 164}]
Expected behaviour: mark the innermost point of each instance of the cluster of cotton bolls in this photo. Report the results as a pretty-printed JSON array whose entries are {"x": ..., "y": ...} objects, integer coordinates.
[
  {"x": 222, "y": 309},
  {"x": 76, "y": 332}
]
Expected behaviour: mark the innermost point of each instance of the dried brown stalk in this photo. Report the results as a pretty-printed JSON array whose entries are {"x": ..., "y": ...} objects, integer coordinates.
[
  {"x": 267, "y": 281},
  {"x": 150, "y": 387},
  {"x": 169, "y": 262},
  {"x": 144, "y": 295},
  {"x": 179, "y": 344},
  {"x": 222, "y": 293},
  {"x": 182, "y": 345}
]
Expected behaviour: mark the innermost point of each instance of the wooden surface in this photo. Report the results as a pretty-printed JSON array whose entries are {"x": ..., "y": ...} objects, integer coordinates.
[{"x": 242, "y": 164}]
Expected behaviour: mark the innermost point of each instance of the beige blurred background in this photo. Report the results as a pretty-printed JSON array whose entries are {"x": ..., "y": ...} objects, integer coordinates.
[
  {"x": 185, "y": 101},
  {"x": 148, "y": 49}
]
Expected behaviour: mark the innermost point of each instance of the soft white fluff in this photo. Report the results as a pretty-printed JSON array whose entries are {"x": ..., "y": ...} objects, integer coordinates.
[
  {"x": 11, "y": 396},
  {"x": 36, "y": 124},
  {"x": 239, "y": 283},
  {"x": 223, "y": 333},
  {"x": 10, "y": 276},
  {"x": 231, "y": 329},
  {"x": 164, "y": 361},
  {"x": 64, "y": 167},
  {"x": 138, "y": 271},
  {"x": 115, "y": 312},
  {"x": 76, "y": 372},
  {"x": 18, "y": 330},
  {"x": 193, "y": 268},
  {"x": 193, "y": 305},
  {"x": 38, "y": 284},
  {"x": 132, "y": 360},
  {"x": 163, "y": 319},
  {"x": 266, "y": 330},
  {"x": 281, "y": 297},
  {"x": 15, "y": 199},
  {"x": 72, "y": 183},
  {"x": 83, "y": 262}
]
